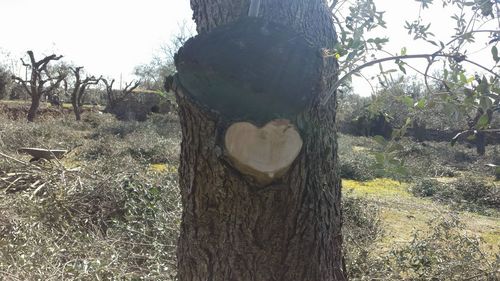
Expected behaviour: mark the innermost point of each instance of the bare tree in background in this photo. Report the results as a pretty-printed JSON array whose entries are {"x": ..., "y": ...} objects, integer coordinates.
[
  {"x": 109, "y": 89},
  {"x": 115, "y": 96},
  {"x": 177, "y": 41},
  {"x": 152, "y": 74},
  {"x": 5, "y": 82},
  {"x": 39, "y": 77},
  {"x": 79, "y": 90},
  {"x": 124, "y": 104}
]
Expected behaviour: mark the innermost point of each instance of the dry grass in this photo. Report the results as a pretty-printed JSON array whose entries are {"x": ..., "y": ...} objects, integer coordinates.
[
  {"x": 101, "y": 212},
  {"x": 401, "y": 213},
  {"x": 110, "y": 209}
]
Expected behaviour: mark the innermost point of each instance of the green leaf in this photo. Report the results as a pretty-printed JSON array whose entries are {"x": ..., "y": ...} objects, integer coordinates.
[
  {"x": 154, "y": 191},
  {"x": 431, "y": 41},
  {"x": 407, "y": 122},
  {"x": 420, "y": 104},
  {"x": 483, "y": 122},
  {"x": 380, "y": 157},
  {"x": 485, "y": 102},
  {"x": 408, "y": 101},
  {"x": 463, "y": 79},
  {"x": 395, "y": 147},
  {"x": 380, "y": 140},
  {"x": 403, "y": 51},
  {"x": 402, "y": 68},
  {"x": 494, "y": 52},
  {"x": 483, "y": 87},
  {"x": 471, "y": 138}
]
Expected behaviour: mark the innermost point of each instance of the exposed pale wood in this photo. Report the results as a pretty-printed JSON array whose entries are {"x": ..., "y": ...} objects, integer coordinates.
[{"x": 264, "y": 153}]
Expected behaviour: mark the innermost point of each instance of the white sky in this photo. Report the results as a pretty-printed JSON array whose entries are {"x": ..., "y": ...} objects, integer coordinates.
[
  {"x": 107, "y": 37},
  {"x": 396, "y": 13},
  {"x": 111, "y": 37}
]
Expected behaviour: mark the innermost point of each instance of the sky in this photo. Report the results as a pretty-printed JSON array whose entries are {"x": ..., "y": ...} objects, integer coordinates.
[
  {"x": 111, "y": 37},
  {"x": 396, "y": 13},
  {"x": 108, "y": 37}
]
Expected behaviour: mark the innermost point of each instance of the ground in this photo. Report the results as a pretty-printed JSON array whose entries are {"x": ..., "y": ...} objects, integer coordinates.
[
  {"x": 110, "y": 208},
  {"x": 402, "y": 213}
]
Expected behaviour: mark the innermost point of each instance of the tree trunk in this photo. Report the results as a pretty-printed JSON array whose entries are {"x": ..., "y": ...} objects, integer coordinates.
[
  {"x": 35, "y": 103},
  {"x": 77, "y": 111},
  {"x": 76, "y": 107},
  {"x": 481, "y": 143},
  {"x": 419, "y": 131},
  {"x": 234, "y": 229}
]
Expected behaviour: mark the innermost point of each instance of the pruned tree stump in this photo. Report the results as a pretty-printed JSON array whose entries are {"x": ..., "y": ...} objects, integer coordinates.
[{"x": 41, "y": 153}]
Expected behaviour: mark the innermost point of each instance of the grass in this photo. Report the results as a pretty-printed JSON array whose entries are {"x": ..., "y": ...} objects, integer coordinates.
[
  {"x": 108, "y": 210},
  {"x": 401, "y": 213},
  {"x": 111, "y": 210},
  {"x": 380, "y": 187},
  {"x": 411, "y": 237}
]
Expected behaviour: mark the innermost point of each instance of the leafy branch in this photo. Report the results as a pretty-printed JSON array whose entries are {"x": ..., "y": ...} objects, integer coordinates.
[{"x": 429, "y": 57}]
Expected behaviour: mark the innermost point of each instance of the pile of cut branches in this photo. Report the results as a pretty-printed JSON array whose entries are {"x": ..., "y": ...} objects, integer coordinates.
[{"x": 24, "y": 176}]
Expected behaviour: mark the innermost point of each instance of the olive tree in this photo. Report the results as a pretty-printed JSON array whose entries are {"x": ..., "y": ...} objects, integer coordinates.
[
  {"x": 40, "y": 81},
  {"x": 259, "y": 176}
]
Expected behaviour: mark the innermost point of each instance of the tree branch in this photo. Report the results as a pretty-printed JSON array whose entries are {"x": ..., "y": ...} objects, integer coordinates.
[
  {"x": 23, "y": 83},
  {"x": 417, "y": 56},
  {"x": 55, "y": 85},
  {"x": 127, "y": 85}
]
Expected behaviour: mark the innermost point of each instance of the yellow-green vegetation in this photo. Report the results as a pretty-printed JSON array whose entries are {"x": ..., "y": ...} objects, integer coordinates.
[
  {"x": 163, "y": 168},
  {"x": 413, "y": 230},
  {"x": 380, "y": 187},
  {"x": 402, "y": 214}
]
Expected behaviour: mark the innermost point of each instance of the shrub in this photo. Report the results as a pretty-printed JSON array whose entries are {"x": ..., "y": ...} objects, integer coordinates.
[
  {"x": 466, "y": 193},
  {"x": 101, "y": 215},
  {"x": 361, "y": 229},
  {"x": 425, "y": 187},
  {"x": 447, "y": 252},
  {"x": 473, "y": 191},
  {"x": 357, "y": 166}
]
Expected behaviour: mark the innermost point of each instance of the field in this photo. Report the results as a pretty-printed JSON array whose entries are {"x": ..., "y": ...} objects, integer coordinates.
[{"x": 110, "y": 209}]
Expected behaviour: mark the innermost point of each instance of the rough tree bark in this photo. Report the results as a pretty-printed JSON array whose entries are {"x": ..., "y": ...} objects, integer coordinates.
[{"x": 234, "y": 229}]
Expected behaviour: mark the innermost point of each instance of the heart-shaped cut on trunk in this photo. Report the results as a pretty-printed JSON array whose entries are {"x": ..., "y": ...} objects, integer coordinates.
[{"x": 263, "y": 153}]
